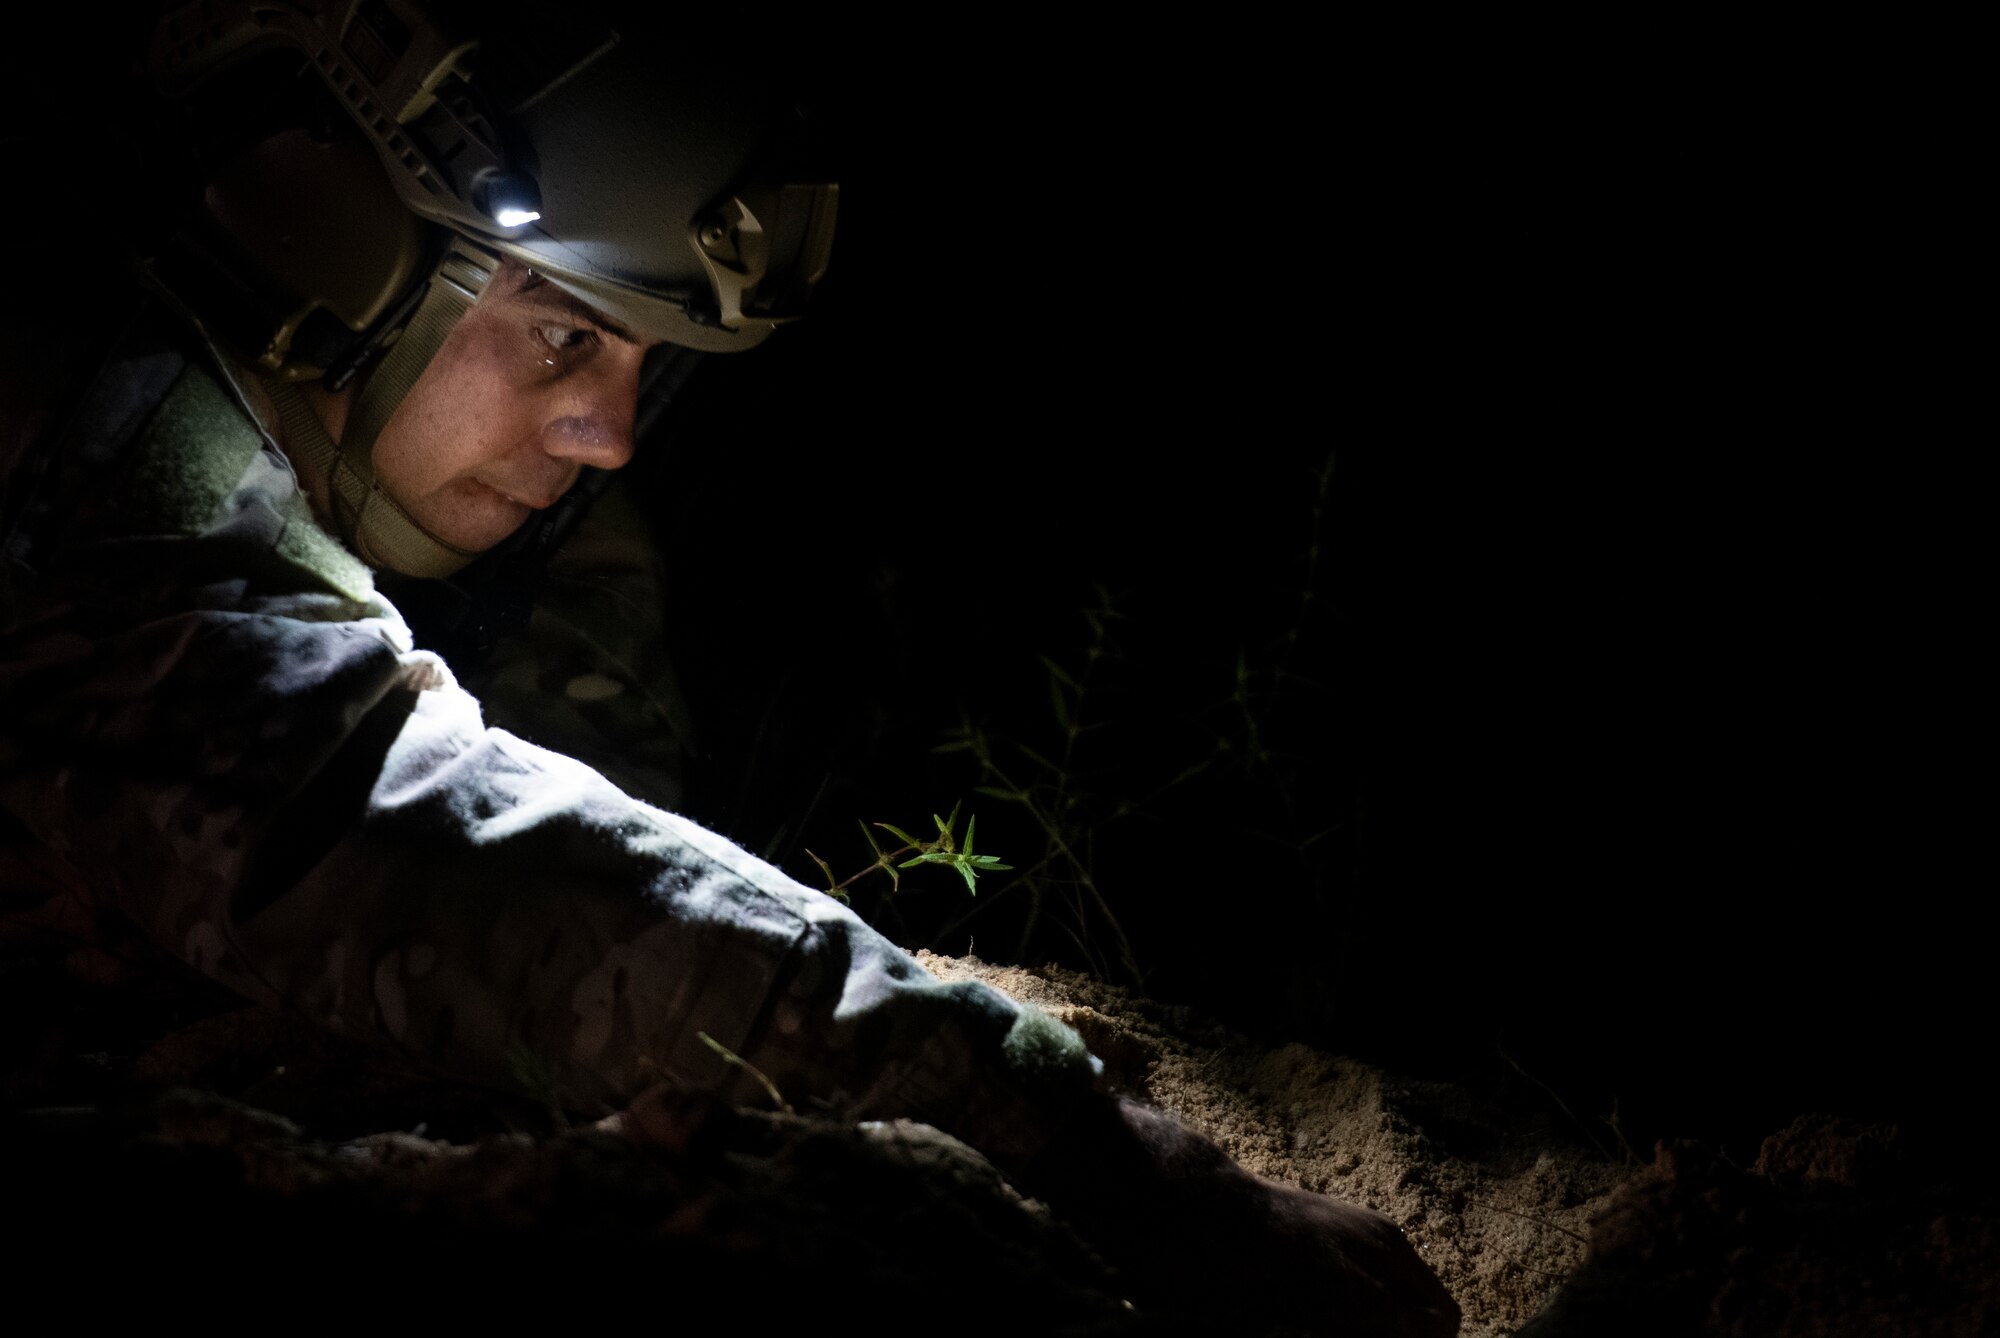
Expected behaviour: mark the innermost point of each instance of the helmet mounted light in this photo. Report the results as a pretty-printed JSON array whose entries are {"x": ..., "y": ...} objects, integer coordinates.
[{"x": 512, "y": 198}]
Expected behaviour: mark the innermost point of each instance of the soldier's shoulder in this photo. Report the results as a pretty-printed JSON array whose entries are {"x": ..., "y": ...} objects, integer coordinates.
[{"x": 157, "y": 444}]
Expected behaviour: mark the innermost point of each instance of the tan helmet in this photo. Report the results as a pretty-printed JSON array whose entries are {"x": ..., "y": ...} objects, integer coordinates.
[{"x": 665, "y": 180}]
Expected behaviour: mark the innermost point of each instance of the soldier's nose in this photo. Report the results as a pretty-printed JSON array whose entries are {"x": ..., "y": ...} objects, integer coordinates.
[{"x": 593, "y": 439}]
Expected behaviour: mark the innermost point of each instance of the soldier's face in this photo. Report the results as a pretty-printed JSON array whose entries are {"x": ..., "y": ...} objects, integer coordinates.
[{"x": 530, "y": 386}]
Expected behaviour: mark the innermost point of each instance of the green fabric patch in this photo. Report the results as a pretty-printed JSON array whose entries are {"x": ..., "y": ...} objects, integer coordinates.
[{"x": 193, "y": 458}]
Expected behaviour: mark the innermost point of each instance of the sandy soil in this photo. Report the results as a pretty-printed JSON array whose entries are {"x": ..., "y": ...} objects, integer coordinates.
[{"x": 1500, "y": 1207}]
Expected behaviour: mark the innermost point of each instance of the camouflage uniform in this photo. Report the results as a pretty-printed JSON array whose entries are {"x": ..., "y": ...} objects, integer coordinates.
[
  {"x": 584, "y": 668},
  {"x": 220, "y": 735}
]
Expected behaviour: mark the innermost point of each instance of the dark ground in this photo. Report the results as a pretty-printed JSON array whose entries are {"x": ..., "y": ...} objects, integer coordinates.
[{"x": 1614, "y": 764}]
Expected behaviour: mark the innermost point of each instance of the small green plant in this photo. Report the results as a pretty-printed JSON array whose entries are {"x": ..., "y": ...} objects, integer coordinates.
[{"x": 941, "y": 850}]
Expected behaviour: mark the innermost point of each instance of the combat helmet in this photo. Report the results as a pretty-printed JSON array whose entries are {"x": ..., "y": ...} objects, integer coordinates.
[{"x": 368, "y": 164}]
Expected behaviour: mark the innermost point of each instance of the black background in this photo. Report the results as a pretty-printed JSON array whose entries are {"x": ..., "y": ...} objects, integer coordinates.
[
  {"x": 1627, "y": 700},
  {"x": 1628, "y": 695}
]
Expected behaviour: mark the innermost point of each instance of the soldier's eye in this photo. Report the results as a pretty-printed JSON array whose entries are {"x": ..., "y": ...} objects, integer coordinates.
[{"x": 565, "y": 338}]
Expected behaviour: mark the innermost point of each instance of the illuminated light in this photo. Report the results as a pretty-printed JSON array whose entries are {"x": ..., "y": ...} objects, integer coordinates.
[{"x": 510, "y": 199}]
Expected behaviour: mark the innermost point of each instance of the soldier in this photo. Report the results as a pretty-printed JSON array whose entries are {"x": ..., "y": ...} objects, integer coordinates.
[{"x": 410, "y": 320}]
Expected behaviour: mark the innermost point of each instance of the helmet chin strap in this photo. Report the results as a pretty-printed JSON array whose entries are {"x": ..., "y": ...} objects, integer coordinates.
[{"x": 372, "y": 522}]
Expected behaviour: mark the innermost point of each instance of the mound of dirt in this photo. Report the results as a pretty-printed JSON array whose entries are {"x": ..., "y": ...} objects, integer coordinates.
[{"x": 1498, "y": 1205}]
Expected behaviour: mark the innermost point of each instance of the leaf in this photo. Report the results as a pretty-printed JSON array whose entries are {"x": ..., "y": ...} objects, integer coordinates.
[
  {"x": 1038, "y": 759},
  {"x": 970, "y": 886},
  {"x": 971, "y": 826},
  {"x": 1058, "y": 703},
  {"x": 945, "y": 825},
  {"x": 899, "y": 833},
  {"x": 1057, "y": 671},
  {"x": 1193, "y": 769},
  {"x": 832, "y": 887},
  {"x": 995, "y": 792}
]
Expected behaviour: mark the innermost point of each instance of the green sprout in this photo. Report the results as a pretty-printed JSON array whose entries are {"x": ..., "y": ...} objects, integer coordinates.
[{"x": 943, "y": 850}]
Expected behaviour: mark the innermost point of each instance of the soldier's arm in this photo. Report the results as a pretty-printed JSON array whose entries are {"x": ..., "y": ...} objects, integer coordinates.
[
  {"x": 254, "y": 767},
  {"x": 207, "y": 712}
]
